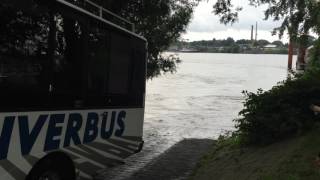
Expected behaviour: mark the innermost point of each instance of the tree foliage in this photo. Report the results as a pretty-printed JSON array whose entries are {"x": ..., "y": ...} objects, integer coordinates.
[
  {"x": 278, "y": 43},
  {"x": 297, "y": 16},
  {"x": 226, "y": 10},
  {"x": 282, "y": 112},
  {"x": 160, "y": 22}
]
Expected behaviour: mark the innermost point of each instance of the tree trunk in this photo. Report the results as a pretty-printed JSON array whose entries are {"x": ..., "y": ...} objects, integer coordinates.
[{"x": 290, "y": 55}]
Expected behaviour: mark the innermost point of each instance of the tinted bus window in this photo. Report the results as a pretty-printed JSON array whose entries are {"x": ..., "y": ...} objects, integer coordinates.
[
  {"x": 137, "y": 82},
  {"x": 98, "y": 65},
  {"x": 120, "y": 61},
  {"x": 67, "y": 61},
  {"x": 23, "y": 59}
]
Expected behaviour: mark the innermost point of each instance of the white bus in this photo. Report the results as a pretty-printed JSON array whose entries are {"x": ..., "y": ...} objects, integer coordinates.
[{"x": 72, "y": 88}]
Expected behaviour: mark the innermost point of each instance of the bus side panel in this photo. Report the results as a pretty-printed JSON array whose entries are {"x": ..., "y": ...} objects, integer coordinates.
[{"x": 93, "y": 139}]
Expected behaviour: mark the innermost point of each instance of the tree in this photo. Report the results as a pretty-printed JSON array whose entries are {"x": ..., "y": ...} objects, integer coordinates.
[
  {"x": 228, "y": 42},
  {"x": 278, "y": 43},
  {"x": 244, "y": 41},
  {"x": 160, "y": 22},
  {"x": 297, "y": 16},
  {"x": 262, "y": 42}
]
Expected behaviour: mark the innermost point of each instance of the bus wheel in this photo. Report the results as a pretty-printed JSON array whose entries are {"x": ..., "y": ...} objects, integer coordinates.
[
  {"x": 50, "y": 175},
  {"x": 55, "y": 166}
]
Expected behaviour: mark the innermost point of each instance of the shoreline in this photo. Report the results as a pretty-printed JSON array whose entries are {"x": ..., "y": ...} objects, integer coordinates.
[{"x": 199, "y": 52}]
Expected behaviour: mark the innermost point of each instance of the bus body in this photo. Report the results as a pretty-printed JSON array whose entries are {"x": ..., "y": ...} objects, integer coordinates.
[{"x": 72, "y": 88}]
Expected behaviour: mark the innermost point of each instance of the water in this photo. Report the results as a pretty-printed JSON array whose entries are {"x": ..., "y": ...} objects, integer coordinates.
[
  {"x": 200, "y": 100},
  {"x": 204, "y": 96}
]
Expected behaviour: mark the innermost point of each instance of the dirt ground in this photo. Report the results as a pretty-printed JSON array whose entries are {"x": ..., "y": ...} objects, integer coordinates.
[{"x": 289, "y": 160}]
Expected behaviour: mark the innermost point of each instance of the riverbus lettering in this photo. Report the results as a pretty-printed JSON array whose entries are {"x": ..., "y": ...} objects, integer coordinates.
[{"x": 111, "y": 123}]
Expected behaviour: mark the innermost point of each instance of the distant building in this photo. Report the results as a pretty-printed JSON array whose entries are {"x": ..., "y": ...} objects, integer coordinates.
[{"x": 270, "y": 46}]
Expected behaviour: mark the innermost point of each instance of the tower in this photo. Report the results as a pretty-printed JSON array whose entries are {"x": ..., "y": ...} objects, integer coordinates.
[
  {"x": 256, "y": 31},
  {"x": 252, "y": 33}
]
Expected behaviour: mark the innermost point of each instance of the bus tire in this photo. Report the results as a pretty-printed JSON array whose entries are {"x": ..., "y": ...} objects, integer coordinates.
[{"x": 54, "y": 166}]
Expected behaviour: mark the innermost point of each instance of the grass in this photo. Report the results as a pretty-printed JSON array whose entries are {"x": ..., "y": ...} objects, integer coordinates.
[{"x": 293, "y": 159}]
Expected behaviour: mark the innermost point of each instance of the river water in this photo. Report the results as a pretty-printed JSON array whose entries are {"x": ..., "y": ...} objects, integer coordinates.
[
  {"x": 200, "y": 100},
  {"x": 204, "y": 96}
]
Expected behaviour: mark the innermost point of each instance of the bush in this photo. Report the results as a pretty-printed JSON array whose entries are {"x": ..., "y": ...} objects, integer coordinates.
[{"x": 282, "y": 112}]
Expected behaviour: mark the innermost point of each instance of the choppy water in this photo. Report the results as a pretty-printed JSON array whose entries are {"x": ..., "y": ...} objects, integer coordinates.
[
  {"x": 201, "y": 99},
  {"x": 204, "y": 96}
]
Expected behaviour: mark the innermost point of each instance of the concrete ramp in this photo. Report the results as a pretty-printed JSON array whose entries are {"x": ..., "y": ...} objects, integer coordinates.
[{"x": 175, "y": 163}]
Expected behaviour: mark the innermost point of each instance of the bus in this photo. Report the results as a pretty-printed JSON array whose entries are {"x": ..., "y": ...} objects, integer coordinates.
[{"x": 72, "y": 89}]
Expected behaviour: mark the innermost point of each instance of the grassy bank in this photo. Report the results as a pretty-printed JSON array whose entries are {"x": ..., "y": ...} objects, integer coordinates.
[{"x": 293, "y": 159}]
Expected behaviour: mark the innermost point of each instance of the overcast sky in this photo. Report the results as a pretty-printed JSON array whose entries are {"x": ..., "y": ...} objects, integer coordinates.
[{"x": 206, "y": 26}]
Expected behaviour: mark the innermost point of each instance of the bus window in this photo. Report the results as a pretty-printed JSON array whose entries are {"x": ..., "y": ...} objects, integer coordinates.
[
  {"x": 68, "y": 63},
  {"x": 97, "y": 65},
  {"x": 57, "y": 62},
  {"x": 137, "y": 82},
  {"x": 109, "y": 67},
  {"x": 120, "y": 61},
  {"x": 24, "y": 80}
]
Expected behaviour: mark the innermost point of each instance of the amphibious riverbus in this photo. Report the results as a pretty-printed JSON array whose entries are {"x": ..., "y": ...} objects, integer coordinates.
[{"x": 72, "y": 89}]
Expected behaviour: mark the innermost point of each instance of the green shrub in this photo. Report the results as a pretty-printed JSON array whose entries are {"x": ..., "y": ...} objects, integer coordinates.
[{"x": 282, "y": 112}]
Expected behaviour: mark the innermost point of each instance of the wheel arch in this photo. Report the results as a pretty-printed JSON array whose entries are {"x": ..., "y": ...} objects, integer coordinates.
[{"x": 54, "y": 160}]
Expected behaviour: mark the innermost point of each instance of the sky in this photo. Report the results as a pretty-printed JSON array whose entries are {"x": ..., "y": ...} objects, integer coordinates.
[{"x": 206, "y": 26}]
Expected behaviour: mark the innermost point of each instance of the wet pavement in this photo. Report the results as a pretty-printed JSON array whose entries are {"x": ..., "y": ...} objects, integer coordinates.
[
  {"x": 134, "y": 163},
  {"x": 178, "y": 162}
]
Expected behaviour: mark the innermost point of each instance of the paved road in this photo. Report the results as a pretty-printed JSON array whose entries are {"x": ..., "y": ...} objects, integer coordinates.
[{"x": 175, "y": 163}]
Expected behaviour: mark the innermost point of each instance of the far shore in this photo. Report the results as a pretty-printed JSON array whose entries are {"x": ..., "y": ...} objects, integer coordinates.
[{"x": 227, "y": 52}]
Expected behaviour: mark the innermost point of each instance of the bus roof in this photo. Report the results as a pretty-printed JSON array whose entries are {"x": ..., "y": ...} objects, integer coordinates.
[{"x": 100, "y": 16}]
